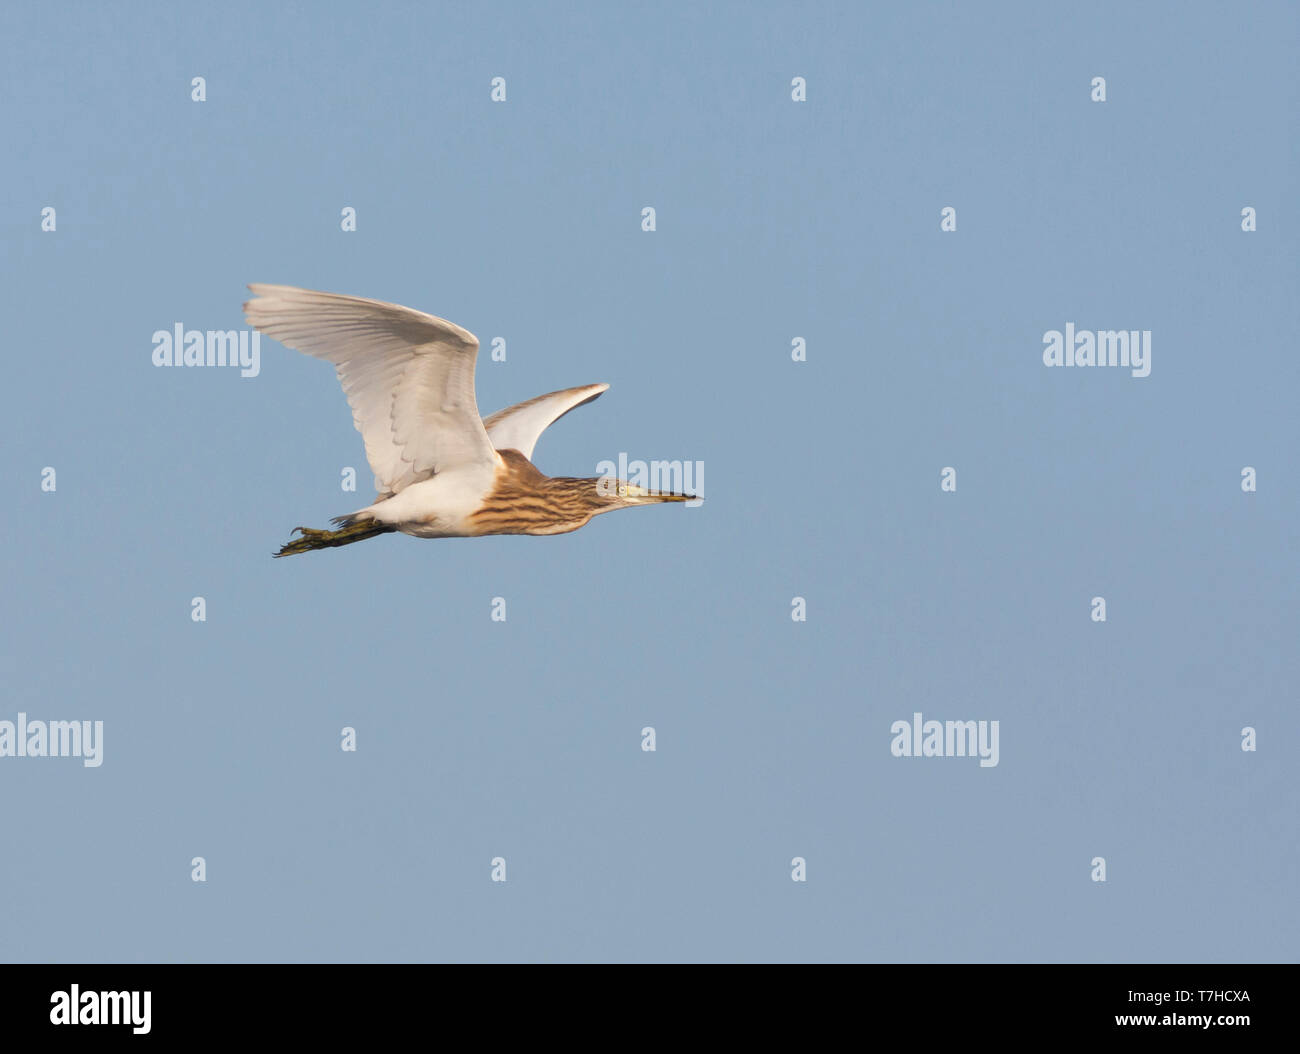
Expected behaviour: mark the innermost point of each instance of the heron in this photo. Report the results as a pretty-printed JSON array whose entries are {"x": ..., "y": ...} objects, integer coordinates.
[{"x": 440, "y": 470}]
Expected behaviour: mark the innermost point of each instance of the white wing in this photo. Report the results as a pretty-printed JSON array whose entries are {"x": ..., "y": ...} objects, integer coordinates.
[
  {"x": 519, "y": 426},
  {"x": 409, "y": 377}
]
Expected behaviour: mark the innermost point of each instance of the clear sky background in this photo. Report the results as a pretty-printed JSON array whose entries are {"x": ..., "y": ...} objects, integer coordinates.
[{"x": 776, "y": 220}]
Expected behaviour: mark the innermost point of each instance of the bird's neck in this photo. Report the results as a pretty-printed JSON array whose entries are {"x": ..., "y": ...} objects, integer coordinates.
[{"x": 524, "y": 501}]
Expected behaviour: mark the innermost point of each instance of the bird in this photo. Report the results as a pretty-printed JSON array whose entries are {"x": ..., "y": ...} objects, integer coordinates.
[{"x": 440, "y": 470}]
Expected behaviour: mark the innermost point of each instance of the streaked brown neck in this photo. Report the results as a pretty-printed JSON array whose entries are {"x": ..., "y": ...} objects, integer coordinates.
[{"x": 527, "y": 502}]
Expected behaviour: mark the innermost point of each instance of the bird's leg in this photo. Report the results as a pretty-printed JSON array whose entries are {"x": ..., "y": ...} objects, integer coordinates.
[{"x": 313, "y": 539}]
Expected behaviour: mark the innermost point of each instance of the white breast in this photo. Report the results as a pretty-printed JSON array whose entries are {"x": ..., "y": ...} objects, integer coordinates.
[{"x": 439, "y": 507}]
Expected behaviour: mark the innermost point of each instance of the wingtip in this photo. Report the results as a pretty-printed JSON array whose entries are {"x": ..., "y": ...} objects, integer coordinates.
[
  {"x": 263, "y": 291},
  {"x": 256, "y": 289}
]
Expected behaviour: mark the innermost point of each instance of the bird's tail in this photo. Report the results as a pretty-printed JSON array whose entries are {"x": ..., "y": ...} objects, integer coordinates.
[{"x": 352, "y": 529}]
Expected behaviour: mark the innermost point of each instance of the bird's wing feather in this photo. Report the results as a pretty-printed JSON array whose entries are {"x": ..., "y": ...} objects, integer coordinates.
[
  {"x": 408, "y": 376},
  {"x": 519, "y": 426}
]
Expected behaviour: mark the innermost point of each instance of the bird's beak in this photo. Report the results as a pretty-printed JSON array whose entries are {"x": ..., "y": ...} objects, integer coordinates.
[
  {"x": 634, "y": 495},
  {"x": 651, "y": 498}
]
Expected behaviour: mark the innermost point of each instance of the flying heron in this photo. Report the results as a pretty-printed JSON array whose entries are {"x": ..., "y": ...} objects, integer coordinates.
[{"x": 440, "y": 470}]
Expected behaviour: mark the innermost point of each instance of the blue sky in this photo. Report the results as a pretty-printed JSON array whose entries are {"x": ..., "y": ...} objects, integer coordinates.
[{"x": 775, "y": 220}]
